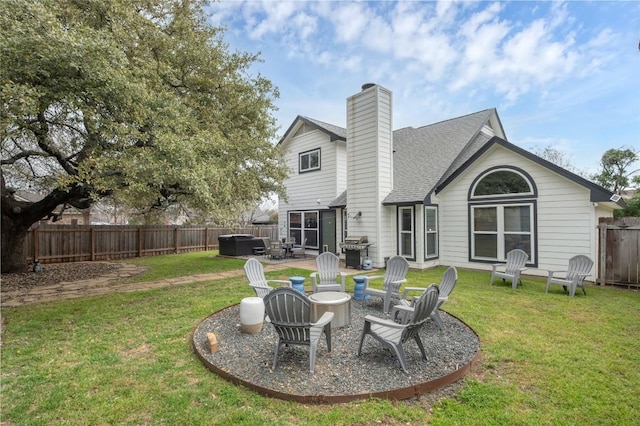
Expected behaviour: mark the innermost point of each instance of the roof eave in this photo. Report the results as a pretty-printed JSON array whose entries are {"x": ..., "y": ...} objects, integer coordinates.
[{"x": 597, "y": 193}]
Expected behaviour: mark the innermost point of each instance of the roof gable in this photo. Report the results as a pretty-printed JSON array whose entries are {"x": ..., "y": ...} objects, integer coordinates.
[
  {"x": 597, "y": 192},
  {"x": 305, "y": 124}
]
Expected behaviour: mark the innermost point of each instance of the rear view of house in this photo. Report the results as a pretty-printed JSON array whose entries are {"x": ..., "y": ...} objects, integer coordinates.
[{"x": 454, "y": 192}]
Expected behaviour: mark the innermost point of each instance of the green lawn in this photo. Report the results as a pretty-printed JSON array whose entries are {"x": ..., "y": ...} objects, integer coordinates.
[{"x": 126, "y": 358}]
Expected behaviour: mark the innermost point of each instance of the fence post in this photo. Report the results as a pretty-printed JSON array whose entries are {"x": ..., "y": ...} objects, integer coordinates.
[
  {"x": 603, "y": 253},
  {"x": 206, "y": 239},
  {"x": 93, "y": 243},
  {"x": 175, "y": 239},
  {"x": 36, "y": 246},
  {"x": 139, "y": 241}
]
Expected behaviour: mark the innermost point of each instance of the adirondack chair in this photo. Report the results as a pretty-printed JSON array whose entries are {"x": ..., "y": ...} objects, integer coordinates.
[
  {"x": 290, "y": 312},
  {"x": 516, "y": 259},
  {"x": 578, "y": 270},
  {"x": 299, "y": 249},
  {"x": 255, "y": 274},
  {"x": 394, "y": 277},
  {"x": 393, "y": 335},
  {"x": 328, "y": 276},
  {"x": 277, "y": 250},
  {"x": 402, "y": 311}
]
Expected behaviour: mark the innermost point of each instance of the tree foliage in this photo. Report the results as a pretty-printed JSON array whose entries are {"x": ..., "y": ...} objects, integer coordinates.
[
  {"x": 135, "y": 98},
  {"x": 617, "y": 169},
  {"x": 558, "y": 158},
  {"x": 633, "y": 207}
]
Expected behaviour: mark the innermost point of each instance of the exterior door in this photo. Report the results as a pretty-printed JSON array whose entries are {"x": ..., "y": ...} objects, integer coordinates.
[{"x": 328, "y": 230}]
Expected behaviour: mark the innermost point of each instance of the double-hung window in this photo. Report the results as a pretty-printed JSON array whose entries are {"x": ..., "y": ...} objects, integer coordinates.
[
  {"x": 406, "y": 235},
  {"x": 502, "y": 208},
  {"x": 430, "y": 232},
  {"x": 498, "y": 229}
]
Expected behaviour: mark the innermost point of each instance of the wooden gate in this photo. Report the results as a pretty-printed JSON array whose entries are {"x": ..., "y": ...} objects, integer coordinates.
[{"x": 619, "y": 251}]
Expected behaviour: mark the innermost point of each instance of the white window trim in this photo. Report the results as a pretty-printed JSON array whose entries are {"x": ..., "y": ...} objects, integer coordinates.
[
  {"x": 500, "y": 232},
  {"x": 411, "y": 232},
  {"x": 303, "y": 229},
  {"x": 426, "y": 232}
]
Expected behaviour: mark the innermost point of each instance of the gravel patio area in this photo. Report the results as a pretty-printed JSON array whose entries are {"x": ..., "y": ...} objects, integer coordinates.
[{"x": 339, "y": 375}]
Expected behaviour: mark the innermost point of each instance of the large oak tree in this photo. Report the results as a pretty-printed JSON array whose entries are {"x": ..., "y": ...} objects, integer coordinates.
[{"x": 139, "y": 98}]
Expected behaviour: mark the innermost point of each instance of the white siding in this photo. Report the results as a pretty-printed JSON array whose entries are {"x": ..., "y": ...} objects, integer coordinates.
[
  {"x": 566, "y": 219},
  {"x": 370, "y": 166},
  {"x": 304, "y": 190}
]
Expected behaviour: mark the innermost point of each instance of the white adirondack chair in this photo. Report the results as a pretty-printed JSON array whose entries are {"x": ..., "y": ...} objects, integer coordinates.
[
  {"x": 328, "y": 276},
  {"x": 257, "y": 281}
]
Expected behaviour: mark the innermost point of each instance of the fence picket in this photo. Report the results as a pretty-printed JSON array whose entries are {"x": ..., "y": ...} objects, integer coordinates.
[{"x": 74, "y": 243}]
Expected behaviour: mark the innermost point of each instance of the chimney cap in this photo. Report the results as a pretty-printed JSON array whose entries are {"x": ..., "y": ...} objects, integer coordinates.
[{"x": 367, "y": 85}]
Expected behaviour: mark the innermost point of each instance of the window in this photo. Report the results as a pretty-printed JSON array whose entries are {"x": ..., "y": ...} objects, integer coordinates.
[
  {"x": 430, "y": 232},
  {"x": 309, "y": 161},
  {"x": 406, "y": 237},
  {"x": 502, "y": 182},
  {"x": 505, "y": 219},
  {"x": 345, "y": 217},
  {"x": 498, "y": 229},
  {"x": 304, "y": 225}
]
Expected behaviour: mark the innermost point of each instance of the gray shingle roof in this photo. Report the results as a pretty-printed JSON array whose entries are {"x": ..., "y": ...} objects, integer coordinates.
[
  {"x": 329, "y": 128},
  {"x": 429, "y": 157},
  {"x": 424, "y": 156}
]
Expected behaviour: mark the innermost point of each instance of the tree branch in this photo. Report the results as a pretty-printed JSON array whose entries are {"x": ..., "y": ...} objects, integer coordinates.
[{"x": 23, "y": 154}]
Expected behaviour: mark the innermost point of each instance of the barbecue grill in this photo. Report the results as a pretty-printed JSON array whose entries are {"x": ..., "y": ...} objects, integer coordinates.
[{"x": 355, "y": 248}]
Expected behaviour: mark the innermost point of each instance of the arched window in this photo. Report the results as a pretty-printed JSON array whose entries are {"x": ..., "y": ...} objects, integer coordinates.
[
  {"x": 502, "y": 207},
  {"x": 502, "y": 182}
]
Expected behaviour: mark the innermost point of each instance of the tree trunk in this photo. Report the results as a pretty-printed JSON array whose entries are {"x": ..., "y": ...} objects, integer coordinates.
[
  {"x": 14, "y": 236},
  {"x": 18, "y": 216}
]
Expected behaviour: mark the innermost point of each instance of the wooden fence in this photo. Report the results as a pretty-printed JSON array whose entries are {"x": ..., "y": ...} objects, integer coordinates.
[
  {"x": 67, "y": 243},
  {"x": 619, "y": 251}
]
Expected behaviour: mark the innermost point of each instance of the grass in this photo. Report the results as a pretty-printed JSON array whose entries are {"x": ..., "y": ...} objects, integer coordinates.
[{"x": 126, "y": 358}]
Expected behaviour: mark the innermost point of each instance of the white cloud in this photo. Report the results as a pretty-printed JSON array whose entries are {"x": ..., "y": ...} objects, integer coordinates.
[
  {"x": 277, "y": 16},
  {"x": 541, "y": 63},
  {"x": 350, "y": 20}
]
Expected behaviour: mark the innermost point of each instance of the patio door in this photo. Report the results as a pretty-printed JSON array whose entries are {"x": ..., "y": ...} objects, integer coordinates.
[{"x": 328, "y": 230}]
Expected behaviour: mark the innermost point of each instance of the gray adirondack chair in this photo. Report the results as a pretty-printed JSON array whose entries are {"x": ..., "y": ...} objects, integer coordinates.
[
  {"x": 290, "y": 312},
  {"x": 277, "y": 250},
  {"x": 393, "y": 335},
  {"x": 393, "y": 278},
  {"x": 257, "y": 281},
  {"x": 404, "y": 308},
  {"x": 578, "y": 270},
  {"x": 299, "y": 249},
  {"x": 328, "y": 276},
  {"x": 516, "y": 259}
]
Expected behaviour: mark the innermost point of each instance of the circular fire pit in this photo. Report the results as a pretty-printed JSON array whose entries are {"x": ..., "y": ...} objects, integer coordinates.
[{"x": 340, "y": 375}]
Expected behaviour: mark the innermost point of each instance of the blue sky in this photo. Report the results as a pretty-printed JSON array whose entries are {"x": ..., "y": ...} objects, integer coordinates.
[{"x": 561, "y": 74}]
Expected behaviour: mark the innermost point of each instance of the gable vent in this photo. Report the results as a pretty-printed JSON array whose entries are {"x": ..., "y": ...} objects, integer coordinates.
[{"x": 305, "y": 128}]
